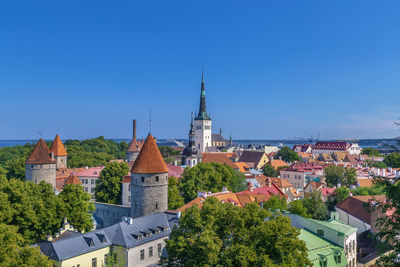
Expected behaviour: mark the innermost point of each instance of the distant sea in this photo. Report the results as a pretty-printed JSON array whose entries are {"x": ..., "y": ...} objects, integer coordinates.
[{"x": 376, "y": 143}]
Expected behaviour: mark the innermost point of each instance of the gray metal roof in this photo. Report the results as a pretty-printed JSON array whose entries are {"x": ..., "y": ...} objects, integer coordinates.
[{"x": 141, "y": 230}]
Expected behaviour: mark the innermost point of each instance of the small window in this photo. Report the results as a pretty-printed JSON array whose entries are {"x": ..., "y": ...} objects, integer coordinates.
[
  {"x": 129, "y": 188},
  {"x": 94, "y": 262},
  {"x": 320, "y": 232},
  {"x": 92, "y": 190},
  {"x": 92, "y": 181},
  {"x": 150, "y": 251},
  {"x": 86, "y": 189},
  {"x": 142, "y": 179},
  {"x": 156, "y": 205},
  {"x": 142, "y": 254},
  {"x": 129, "y": 198},
  {"x": 159, "y": 248},
  {"x": 157, "y": 178}
]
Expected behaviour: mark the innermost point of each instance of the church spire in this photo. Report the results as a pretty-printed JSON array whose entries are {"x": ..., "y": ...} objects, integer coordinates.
[{"x": 203, "y": 108}]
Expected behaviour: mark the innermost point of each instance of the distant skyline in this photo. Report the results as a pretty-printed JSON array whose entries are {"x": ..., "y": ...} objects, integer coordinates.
[{"x": 273, "y": 69}]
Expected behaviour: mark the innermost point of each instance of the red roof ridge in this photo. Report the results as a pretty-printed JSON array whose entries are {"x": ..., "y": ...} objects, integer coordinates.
[
  {"x": 73, "y": 179},
  {"x": 40, "y": 154},
  {"x": 57, "y": 147},
  {"x": 149, "y": 159}
]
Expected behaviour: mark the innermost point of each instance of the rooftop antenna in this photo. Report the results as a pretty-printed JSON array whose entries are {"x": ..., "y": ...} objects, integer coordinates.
[{"x": 150, "y": 122}]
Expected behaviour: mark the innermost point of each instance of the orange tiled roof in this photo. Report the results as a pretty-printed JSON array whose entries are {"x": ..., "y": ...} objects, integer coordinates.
[
  {"x": 243, "y": 168},
  {"x": 281, "y": 182},
  {"x": 276, "y": 163},
  {"x": 198, "y": 201},
  {"x": 136, "y": 145},
  {"x": 219, "y": 158},
  {"x": 126, "y": 179},
  {"x": 149, "y": 159},
  {"x": 40, "y": 154},
  {"x": 57, "y": 147},
  {"x": 365, "y": 182},
  {"x": 294, "y": 192},
  {"x": 73, "y": 179}
]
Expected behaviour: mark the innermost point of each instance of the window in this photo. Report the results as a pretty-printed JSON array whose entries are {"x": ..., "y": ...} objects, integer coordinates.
[
  {"x": 159, "y": 248},
  {"x": 157, "y": 178},
  {"x": 150, "y": 251},
  {"x": 129, "y": 198},
  {"x": 92, "y": 181},
  {"x": 156, "y": 205},
  {"x": 86, "y": 189},
  {"x": 142, "y": 254},
  {"x": 129, "y": 188},
  {"x": 94, "y": 262},
  {"x": 142, "y": 179},
  {"x": 320, "y": 232},
  {"x": 92, "y": 190}
]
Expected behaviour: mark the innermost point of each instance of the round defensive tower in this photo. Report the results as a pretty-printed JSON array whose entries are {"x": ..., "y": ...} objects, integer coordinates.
[{"x": 149, "y": 181}]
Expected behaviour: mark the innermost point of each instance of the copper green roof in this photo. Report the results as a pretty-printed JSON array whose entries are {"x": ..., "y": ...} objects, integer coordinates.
[
  {"x": 320, "y": 250},
  {"x": 202, "y": 115},
  {"x": 337, "y": 226}
]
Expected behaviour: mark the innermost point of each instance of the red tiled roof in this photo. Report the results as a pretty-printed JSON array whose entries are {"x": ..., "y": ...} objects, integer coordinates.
[
  {"x": 354, "y": 205},
  {"x": 327, "y": 191},
  {"x": 73, "y": 179},
  {"x": 40, "y": 154},
  {"x": 365, "y": 182},
  {"x": 90, "y": 172},
  {"x": 219, "y": 158},
  {"x": 304, "y": 167},
  {"x": 126, "y": 179},
  {"x": 276, "y": 163},
  {"x": 136, "y": 145},
  {"x": 342, "y": 146},
  {"x": 149, "y": 159},
  {"x": 264, "y": 190},
  {"x": 57, "y": 147}
]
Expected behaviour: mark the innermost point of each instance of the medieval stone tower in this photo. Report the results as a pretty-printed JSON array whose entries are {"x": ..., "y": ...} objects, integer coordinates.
[
  {"x": 41, "y": 165},
  {"x": 202, "y": 123},
  {"x": 149, "y": 181},
  {"x": 60, "y": 153},
  {"x": 134, "y": 147}
]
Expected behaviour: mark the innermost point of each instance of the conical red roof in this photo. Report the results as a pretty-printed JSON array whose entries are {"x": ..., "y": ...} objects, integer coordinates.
[
  {"x": 135, "y": 146},
  {"x": 40, "y": 154},
  {"x": 57, "y": 147},
  {"x": 149, "y": 159}
]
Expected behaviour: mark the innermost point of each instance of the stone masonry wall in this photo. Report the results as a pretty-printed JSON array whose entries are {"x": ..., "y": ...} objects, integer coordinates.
[
  {"x": 148, "y": 194},
  {"x": 109, "y": 214},
  {"x": 131, "y": 156},
  {"x": 61, "y": 162},
  {"x": 41, "y": 172}
]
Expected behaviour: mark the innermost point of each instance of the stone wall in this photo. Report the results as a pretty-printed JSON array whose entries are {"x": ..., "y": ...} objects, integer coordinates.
[
  {"x": 131, "y": 156},
  {"x": 109, "y": 214},
  {"x": 41, "y": 172},
  {"x": 61, "y": 162},
  {"x": 149, "y": 193}
]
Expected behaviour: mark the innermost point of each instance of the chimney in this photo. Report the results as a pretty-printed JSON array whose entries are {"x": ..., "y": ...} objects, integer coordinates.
[{"x": 134, "y": 130}]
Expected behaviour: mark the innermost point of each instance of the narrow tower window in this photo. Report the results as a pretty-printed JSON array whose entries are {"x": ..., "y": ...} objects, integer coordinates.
[
  {"x": 156, "y": 205},
  {"x": 157, "y": 178},
  {"x": 142, "y": 179}
]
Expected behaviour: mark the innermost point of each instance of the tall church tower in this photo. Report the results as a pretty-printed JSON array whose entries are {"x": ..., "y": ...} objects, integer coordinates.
[
  {"x": 202, "y": 123},
  {"x": 149, "y": 181}
]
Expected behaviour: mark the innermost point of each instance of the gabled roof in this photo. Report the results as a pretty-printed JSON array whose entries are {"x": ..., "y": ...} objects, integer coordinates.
[
  {"x": 73, "y": 179},
  {"x": 338, "y": 146},
  {"x": 219, "y": 158},
  {"x": 40, "y": 154},
  {"x": 217, "y": 138},
  {"x": 58, "y": 148},
  {"x": 281, "y": 182},
  {"x": 251, "y": 156},
  {"x": 149, "y": 159},
  {"x": 276, "y": 163},
  {"x": 355, "y": 205},
  {"x": 90, "y": 172}
]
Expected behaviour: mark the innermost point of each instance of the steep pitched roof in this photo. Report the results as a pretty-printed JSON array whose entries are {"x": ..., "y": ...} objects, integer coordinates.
[
  {"x": 73, "y": 179},
  {"x": 149, "y": 159},
  {"x": 58, "y": 148},
  {"x": 40, "y": 154},
  {"x": 135, "y": 146},
  {"x": 219, "y": 158},
  {"x": 251, "y": 156},
  {"x": 276, "y": 163},
  {"x": 355, "y": 206}
]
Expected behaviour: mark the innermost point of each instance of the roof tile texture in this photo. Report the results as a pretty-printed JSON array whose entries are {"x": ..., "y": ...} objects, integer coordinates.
[
  {"x": 40, "y": 154},
  {"x": 149, "y": 159},
  {"x": 58, "y": 148}
]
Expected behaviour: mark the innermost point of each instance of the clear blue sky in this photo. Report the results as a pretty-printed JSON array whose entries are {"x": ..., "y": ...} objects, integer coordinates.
[{"x": 273, "y": 69}]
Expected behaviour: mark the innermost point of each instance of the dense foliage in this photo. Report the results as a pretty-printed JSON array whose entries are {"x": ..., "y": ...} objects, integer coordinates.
[
  {"x": 315, "y": 206},
  {"x": 14, "y": 251},
  {"x": 340, "y": 175},
  {"x": 37, "y": 211},
  {"x": 109, "y": 184},
  {"x": 371, "y": 152},
  {"x": 270, "y": 171},
  {"x": 392, "y": 160},
  {"x": 287, "y": 155},
  {"x": 175, "y": 200},
  {"x": 212, "y": 177},
  {"x": 221, "y": 234}
]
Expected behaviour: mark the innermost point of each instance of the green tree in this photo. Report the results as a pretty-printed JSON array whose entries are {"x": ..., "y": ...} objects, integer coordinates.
[
  {"x": 339, "y": 195},
  {"x": 77, "y": 207},
  {"x": 287, "y": 155},
  {"x": 221, "y": 234},
  {"x": 371, "y": 152},
  {"x": 350, "y": 176},
  {"x": 212, "y": 177},
  {"x": 392, "y": 160},
  {"x": 15, "y": 252},
  {"x": 340, "y": 175},
  {"x": 376, "y": 189},
  {"x": 315, "y": 206},
  {"x": 276, "y": 203},
  {"x": 270, "y": 171},
  {"x": 109, "y": 184},
  {"x": 297, "y": 207},
  {"x": 378, "y": 164},
  {"x": 16, "y": 168},
  {"x": 175, "y": 200}
]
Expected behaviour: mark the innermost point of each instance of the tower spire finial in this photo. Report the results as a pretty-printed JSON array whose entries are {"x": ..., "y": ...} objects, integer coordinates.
[
  {"x": 202, "y": 76},
  {"x": 150, "y": 122}
]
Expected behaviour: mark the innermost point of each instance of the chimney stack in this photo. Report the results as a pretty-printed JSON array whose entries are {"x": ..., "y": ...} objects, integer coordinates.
[{"x": 134, "y": 130}]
